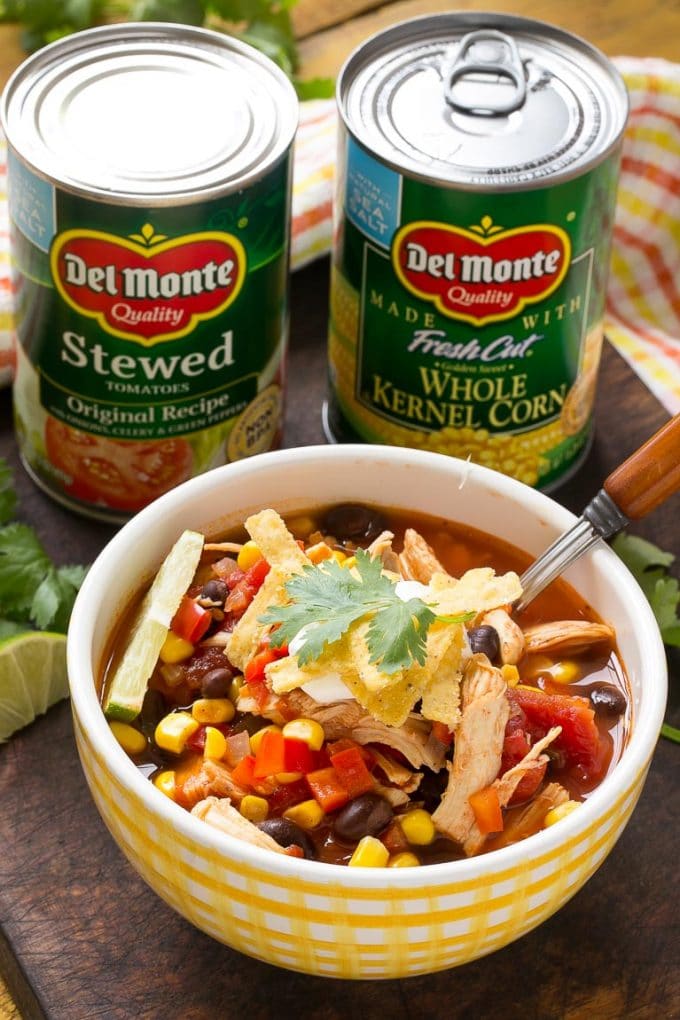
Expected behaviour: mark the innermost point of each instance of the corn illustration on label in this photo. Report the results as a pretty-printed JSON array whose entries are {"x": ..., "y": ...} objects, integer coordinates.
[{"x": 469, "y": 322}]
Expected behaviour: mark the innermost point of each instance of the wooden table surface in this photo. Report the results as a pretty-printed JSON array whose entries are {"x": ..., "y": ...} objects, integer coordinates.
[{"x": 82, "y": 937}]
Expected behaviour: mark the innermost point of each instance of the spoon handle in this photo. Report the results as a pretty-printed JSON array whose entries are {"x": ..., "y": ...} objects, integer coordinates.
[{"x": 650, "y": 475}]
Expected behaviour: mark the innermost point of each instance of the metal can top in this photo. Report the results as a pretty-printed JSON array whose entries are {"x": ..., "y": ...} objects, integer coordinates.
[
  {"x": 483, "y": 100},
  {"x": 140, "y": 112}
]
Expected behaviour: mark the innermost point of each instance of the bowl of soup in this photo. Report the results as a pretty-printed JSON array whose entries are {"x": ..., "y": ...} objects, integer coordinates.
[{"x": 316, "y": 726}]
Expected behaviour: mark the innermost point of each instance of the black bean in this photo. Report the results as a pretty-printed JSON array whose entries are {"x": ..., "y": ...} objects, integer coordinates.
[
  {"x": 432, "y": 786},
  {"x": 607, "y": 699},
  {"x": 214, "y": 591},
  {"x": 364, "y": 816},
  {"x": 485, "y": 639},
  {"x": 353, "y": 521},
  {"x": 216, "y": 683},
  {"x": 287, "y": 833}
]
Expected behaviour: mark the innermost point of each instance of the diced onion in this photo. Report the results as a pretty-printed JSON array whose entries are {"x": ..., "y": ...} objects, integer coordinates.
[{"x": 238, "y": 746}]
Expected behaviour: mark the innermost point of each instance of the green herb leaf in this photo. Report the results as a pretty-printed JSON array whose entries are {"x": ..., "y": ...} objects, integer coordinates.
[
  {"x": 650, "y": 567},
  {"x": 327, "y": 599},
  {"x": 23, "y": 565},
  {"x": 314, "y": 88}
]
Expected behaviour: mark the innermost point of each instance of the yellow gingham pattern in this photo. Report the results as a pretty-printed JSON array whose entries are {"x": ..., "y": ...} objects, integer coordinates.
[{"x": 323, "y": 928}]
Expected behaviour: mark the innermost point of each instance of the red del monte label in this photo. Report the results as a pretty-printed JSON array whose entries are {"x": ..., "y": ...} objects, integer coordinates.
[
  {"x": 483, "y": 274},
  {"x": 148, "y": 287}
]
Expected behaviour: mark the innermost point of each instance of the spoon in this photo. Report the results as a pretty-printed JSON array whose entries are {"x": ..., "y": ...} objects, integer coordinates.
[{"x": 635, "y": 488}]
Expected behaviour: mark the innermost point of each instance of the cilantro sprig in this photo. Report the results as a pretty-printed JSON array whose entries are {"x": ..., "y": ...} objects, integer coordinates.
[
  {"x": 651, "y": 568},
  {"x": 265, "y": 24},
  {"x": 327, "y": 599},
  {"x": 34, "y": 592}
]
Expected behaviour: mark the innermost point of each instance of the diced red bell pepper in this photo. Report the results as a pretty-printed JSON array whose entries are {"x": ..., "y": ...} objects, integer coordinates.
[
  {"x": 254, "y": 671},
  {"x": 191, "y": 621},
  {"x": 244, "y": 773},
  {"x": 298, "y": 756},
  {"x": 352, "y": 772},
  {"x": 442, "y": 733},
  {"x": 270, "y": 757},
  {"x": 326, "y": 788}
]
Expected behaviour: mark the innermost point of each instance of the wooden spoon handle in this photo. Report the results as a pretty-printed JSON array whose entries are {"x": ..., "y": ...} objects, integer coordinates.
[{"x": 650, "y": 475}]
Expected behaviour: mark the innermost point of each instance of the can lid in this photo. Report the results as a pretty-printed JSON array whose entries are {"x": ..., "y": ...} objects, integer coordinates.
[
  {"x": 483, "y": 100},
  {"x": 149, "y": 111}
]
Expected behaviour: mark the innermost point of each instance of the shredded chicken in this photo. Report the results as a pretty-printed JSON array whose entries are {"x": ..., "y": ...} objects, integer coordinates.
[
  {"x": 212, "y": 780},
  {"x": 510, "y": 635},
  {"x": 222, "y": 815},
  {"x": 506, "y": 784},
  {"x": 478, "y": 746},
  {"x": 417, "y": 561},
  {"x": 530, "y": 819},
  {"x": 395, "y": 773},
  {"x": 381, "y": 548},
  {"x": 396, "y": 797},
  {"x": 566, "y": 636}
]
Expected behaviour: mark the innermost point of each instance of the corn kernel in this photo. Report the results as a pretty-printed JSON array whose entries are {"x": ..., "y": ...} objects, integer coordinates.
[
  {"x": 301, "y": 527},
  {"x": 339, "y": 556},
  {"x": 510, "y": 674},
  {"x": 215, "y": 744},
  {"x": 288, "y": 777},
  {"x": 174, "y": 730},
  {"x": 564, "y": 672},
  {"x": 528, "y": 687},
  {"x": 308, "y": 814},
  {"x": 165, "y": 782},
  {"x": 556, "y": 814},
  {"x": 418, "y": 827},
  {"x": 319, "y": 552},
  {"x": 213, "y": 710},
  {"x": 235, "y": 688},
  {"x": 175, "y": 649},
  {"x": 256, "y": 738},
  {"x": 255, "y": 809},
  {"x": 369, "y": 853},
  {"x": 249, "y": 555},
  {"x": 404, "y": 860},
  {"x": 350, "y": 562},
  {"x": 129, "y": 738},
  {"x": 309, "y": 731}
]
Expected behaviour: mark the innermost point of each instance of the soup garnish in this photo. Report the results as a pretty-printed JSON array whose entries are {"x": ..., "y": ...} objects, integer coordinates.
[{"x": 352, "y": 686}]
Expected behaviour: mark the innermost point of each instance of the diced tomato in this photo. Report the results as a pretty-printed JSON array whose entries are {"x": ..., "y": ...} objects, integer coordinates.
[
  {"x": 270, "y": 757},
  {"x": 244, "y": 773},
  {"x": 196, "y": 741},
  {"x": 326, "y": 788},
  {"x": 298, "y": 756},
  {"x": 529, "y": 783},
  {"x": 191, "y": 621},
  {"x": 579, "y": 740},
  {"x": 294, "y": 851},
  {"x": 352, "y": 772},
  {"x": 243, "y": 589},
  {"x": 287, "y": 794},
  {"x": 394, "y": 839},
  {"x": 487, "y": 810},
  {"x": 254, "y": 671}
]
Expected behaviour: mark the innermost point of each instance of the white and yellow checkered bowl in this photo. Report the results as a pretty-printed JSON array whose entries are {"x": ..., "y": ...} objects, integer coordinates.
[{"x": 325, "y": 919}]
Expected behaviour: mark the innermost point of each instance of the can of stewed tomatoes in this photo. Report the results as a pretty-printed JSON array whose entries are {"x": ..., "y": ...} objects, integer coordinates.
[
  {"x": 149, "y": 197},
  {"x": 477, "y": 171}
]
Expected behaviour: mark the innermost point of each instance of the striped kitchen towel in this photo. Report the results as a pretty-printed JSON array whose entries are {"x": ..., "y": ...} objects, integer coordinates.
[{"x": 643, "y": 299}]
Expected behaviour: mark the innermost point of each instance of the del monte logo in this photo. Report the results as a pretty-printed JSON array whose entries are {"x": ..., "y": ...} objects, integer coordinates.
[
  {"x": 148, "y": 287},
  {"x": 482, "y": 274}
]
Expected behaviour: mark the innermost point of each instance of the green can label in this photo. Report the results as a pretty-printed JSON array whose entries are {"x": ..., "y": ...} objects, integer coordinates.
[
  {"x": 469, "y": 322},
  {"x": 151, "y": 340}
]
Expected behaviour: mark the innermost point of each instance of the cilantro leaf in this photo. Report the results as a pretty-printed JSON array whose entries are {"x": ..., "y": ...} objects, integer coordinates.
[
  {"x": 23, "y": 565},
  {"x": 650, "y": 567},
  {"x": 327, "y": 599}
]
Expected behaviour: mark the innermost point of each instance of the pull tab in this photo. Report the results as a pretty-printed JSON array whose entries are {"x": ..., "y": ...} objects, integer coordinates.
[{"x": 508, "y": 65}]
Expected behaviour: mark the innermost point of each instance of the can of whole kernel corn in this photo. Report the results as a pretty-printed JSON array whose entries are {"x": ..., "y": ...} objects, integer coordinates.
[
  {"x": 149, "y": 197},
  {"x": 477, "y": 171}
]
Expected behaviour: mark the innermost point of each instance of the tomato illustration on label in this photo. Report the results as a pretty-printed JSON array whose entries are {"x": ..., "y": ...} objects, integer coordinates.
[
  {"x": 148, "y": 287},
  {"x": 121, "y": 474},
  {"x": 483, "y": 274}
]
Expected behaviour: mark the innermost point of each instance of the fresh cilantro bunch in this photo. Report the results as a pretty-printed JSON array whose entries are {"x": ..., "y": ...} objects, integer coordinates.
[
  {"x": 328, "y": 598},
  {"x": 651, "y": 568},
  {"x": 265, "y": 24},
  {"x": 34, "y": 592}
]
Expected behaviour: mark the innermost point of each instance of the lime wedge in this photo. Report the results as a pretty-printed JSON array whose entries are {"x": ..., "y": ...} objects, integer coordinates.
[
  {"x": 150, "y": 628},
  {"x": 32, "y": 678}
]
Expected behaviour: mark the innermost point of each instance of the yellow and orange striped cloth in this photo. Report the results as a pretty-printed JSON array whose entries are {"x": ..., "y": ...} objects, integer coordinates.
[{"x": 643, "y": 299}]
